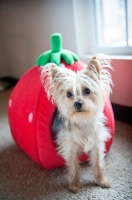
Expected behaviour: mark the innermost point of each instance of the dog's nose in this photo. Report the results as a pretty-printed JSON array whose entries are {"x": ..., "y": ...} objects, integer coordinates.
[{"x": 78, "y": 105}]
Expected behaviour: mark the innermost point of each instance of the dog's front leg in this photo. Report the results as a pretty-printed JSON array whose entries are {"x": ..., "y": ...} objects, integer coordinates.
[
  {"x": 72, "y": 164},
  {"x": 97, "y": 161}
]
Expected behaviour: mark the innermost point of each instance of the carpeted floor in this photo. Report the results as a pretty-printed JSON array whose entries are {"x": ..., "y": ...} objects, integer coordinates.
[{"x": 22, "y": 179}]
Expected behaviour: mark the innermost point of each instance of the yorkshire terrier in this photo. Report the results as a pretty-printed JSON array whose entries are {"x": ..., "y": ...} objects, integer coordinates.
[{"x": 79, "y": 122}]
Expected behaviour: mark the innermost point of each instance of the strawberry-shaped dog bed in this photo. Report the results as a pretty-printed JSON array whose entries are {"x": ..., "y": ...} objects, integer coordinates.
[{"x": 30, "y": 113}]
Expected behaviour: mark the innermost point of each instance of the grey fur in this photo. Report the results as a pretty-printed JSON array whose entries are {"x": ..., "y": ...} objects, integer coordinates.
[{"x": 57, "y": 123}]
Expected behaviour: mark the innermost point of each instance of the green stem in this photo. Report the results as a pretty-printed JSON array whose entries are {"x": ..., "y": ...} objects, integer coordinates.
[{"x": 56, "y": 43}]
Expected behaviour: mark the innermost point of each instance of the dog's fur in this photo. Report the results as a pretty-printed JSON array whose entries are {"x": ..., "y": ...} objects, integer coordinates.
[{"x": 78, "y": 124}]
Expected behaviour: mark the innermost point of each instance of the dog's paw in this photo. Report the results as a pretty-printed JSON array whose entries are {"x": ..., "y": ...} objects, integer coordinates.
[
  {"x": 74, "y": 187},
  {"x": 104, "y": 183}
]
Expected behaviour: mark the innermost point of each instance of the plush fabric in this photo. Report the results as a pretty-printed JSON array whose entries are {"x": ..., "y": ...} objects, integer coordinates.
[
  {"x": 57, "y": 53},
  {"x": 30, "y": 117}
]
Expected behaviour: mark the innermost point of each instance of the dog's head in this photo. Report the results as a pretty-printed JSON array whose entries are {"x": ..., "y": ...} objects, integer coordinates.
[{"x": 79, "y": 96}]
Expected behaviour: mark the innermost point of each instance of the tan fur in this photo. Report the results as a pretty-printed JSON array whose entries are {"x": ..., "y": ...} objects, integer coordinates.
[{"x": 82, "y": 131}]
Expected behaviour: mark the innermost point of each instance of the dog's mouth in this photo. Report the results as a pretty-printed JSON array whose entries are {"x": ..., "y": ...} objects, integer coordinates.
[
  {"x": 79, "y": 111},
  {"x": 82, "y": 111}
]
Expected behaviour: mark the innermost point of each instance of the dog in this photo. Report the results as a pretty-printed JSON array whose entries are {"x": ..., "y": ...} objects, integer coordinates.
[{"x": 79, "y": 122}]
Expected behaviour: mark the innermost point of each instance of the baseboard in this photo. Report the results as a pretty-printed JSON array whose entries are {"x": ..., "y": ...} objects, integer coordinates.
[
  {"x": 7, "y": 82},
  {"x": 122, "y": 113}
]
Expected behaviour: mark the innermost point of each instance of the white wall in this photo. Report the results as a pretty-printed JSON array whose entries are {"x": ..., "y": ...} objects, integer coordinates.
[{"x": 26, "y": 26}]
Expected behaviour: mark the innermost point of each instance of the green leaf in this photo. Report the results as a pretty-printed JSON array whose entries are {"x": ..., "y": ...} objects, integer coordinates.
[
  {"x": 44, "y": 58},
  {"x": 75, "y": 57},
  {"x": 67, "y": 57}
]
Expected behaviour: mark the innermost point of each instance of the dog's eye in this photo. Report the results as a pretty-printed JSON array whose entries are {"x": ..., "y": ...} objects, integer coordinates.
[
  {"x": 69, "y": 94},
  {"x": 86, "y": 91}
]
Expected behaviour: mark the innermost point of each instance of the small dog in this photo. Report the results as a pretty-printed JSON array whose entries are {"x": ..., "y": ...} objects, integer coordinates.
[{"x": 79, "y": 121}]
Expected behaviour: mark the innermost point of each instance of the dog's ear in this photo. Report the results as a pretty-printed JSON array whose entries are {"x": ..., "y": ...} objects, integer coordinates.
[
  {"x": 50, "y": 78},
  {"x": 98, "y": 69},
  {"x": 94, "y": 65},
  {"x": 58, "y": 74},
  {"x": 55, "y": 73},
  {"x": 51, "y": 71}
]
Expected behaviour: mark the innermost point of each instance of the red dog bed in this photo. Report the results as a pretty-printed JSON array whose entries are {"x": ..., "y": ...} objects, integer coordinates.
[{"x": 30, "y": 116}]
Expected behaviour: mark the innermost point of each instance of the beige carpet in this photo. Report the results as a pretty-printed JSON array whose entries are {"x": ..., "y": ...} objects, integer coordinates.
[{"x": 22, "y": 179}]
